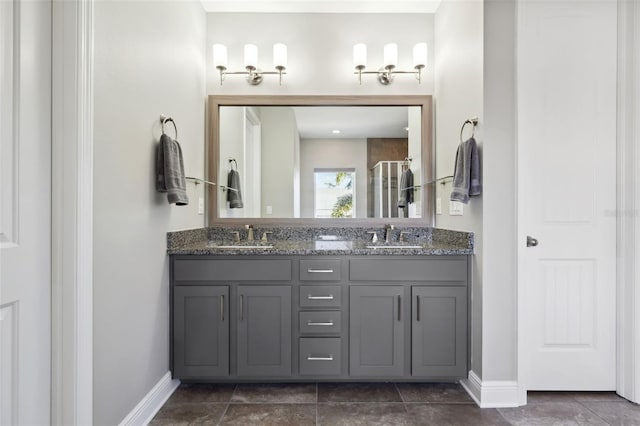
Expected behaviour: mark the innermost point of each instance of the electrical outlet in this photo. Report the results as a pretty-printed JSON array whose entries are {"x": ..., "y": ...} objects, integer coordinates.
[
  {"x": 201, "y": 205},
  {"x": 439, "y": 205},
  {"x": 455, "y": 208},
  {"x": 269, "y": 209}
]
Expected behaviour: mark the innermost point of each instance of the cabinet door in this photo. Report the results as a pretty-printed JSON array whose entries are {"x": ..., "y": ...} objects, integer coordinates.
[
  {"x": 439, "y": 332},
  {"x": 264, "y": 330},
  {"x": 200, "y": 332},
  {"x": 376, "y": 331}
]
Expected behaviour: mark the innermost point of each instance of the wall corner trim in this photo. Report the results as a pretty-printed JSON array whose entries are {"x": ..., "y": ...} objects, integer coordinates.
[
  {"x": 492, "y": 394},
  {"x": 149, "y": 406}
]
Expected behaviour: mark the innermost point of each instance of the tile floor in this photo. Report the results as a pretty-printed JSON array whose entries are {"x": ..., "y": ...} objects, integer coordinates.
[{"x": 382, "y": 404}]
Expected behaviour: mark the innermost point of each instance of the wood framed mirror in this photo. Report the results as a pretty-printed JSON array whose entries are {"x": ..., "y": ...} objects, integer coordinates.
[{"x": 288, "y": 168}]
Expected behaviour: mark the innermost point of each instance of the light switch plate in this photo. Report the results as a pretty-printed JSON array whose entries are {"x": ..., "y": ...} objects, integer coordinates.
[
  {"x": 455, "y": 208},
  {"x": 201, "y": 205},
  {"x": 439, "y": 205}
]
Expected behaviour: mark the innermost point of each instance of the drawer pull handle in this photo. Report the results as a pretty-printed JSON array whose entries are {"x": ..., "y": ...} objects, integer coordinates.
[
  {"x": 320, "y": 357},
  {"x": 320, "y": 271},
  {"x": 328, "y": 324},
  {"x": 329, "y": 297}
]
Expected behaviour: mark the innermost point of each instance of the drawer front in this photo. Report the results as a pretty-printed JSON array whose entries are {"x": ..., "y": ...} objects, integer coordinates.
[
  {"x": 320, "y": 270},
  {"x": 441, "y": 270},
  {"x": 320, "y": 322},
  {"x": 232, "y": 270},
  {"x": 320, "y": 356},
  {"x": 318, "y": 296}
]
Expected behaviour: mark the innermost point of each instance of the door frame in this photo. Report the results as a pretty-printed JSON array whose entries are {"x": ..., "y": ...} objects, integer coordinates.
[
  {"x": 628, "y": 228},
  {"x": 72, "y": 213}
]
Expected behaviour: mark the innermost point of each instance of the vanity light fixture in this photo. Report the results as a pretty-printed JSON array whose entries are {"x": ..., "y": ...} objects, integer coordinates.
[
  {"x": 386, "y": 73},
  {"x": 254, "y": 75}
]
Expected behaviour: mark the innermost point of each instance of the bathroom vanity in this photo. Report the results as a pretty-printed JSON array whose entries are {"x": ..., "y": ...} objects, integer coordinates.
[{"x": 297, "y": 313}]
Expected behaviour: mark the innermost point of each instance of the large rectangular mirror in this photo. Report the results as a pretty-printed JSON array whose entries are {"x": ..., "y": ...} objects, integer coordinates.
[{"x": 320, "y": 159}]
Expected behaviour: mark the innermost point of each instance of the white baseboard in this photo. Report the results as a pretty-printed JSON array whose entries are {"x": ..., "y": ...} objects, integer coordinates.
[
  {"x": 152, "y": 402},
  {"x": 492, "y": 394}
]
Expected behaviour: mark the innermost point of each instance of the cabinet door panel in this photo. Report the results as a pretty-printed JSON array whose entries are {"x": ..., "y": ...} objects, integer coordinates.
[
  {"x": 376, "y": 337},
  {"x": 201, "y": 332},
  {"x": 264, "y": 331},
  {"x": 439, "y": 332}
]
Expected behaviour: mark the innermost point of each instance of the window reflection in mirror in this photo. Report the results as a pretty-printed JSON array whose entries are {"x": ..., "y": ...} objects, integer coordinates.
[{"x": 302, "y": 161}]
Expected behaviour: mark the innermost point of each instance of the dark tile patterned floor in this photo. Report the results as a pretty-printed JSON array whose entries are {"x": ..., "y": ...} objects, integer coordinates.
[{"x": 356, "y": 404}]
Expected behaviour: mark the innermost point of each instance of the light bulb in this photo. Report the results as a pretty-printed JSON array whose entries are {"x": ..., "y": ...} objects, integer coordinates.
[
  {"x": 420, "y": 55},
  {"x": 279, "y": 56},
  {"x": 250, "y": 56},
  {"x": 220, "y": 56},
  {"x": 360, "y": 55},
  {"x": 391, "y": 55}
]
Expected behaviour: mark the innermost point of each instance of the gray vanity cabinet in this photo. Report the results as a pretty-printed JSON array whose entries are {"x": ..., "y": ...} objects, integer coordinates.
[
  {"x": 264, "y": 330},
  {"x": 439, "y": 331},
  {"x": 201, "y": 331},
  {"x": 376, "y": 331},
  {"x": 285, "y": 318}
]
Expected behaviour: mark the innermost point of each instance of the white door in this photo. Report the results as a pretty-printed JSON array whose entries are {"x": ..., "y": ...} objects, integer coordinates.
[
  {"x": 25, "y": 207},
  {"x": 567, "y": 192},
  {"x": 253, "y": 162}
]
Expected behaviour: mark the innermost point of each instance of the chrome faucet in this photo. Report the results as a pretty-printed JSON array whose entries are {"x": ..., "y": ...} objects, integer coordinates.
[
  {"x": 249, "y": 229},
  {"x": 387, "y": 232}
]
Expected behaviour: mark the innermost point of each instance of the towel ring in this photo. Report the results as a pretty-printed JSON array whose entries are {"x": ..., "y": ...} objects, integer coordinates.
[
  {"x": 166, "y": 119},
  {"x": 474, "y": 122}
]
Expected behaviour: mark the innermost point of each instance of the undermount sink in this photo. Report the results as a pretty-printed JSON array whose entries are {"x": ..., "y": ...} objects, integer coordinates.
[
  {"x": 332, "y": 245},
  {"x": 241, "y": 247},
  {"x": 394, "y": 247}
]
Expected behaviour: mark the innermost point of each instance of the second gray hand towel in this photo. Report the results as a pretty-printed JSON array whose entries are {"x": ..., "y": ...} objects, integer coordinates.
[
  {"x": 234, "y": 197},
  {"x": 466, "y": 176}
]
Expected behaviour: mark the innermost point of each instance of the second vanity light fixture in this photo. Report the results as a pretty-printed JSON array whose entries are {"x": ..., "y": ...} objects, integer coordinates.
[
  {"x": 254, "y": 75},
  {"x": 386, "y": 73}
]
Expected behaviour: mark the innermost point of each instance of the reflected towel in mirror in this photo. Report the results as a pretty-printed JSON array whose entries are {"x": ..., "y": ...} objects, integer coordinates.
[
  {"x": 406, "y": 189},
  {"x": 234, "y": 197}
]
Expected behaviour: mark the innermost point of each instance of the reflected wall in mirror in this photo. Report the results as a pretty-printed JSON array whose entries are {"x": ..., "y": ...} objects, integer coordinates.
[{"x": 317, "y": 158}]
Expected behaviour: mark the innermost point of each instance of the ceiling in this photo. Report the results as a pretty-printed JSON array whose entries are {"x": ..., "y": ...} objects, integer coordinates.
[
  {"x": 322, "y": 6},
  {"x": 353, "y": 122}
]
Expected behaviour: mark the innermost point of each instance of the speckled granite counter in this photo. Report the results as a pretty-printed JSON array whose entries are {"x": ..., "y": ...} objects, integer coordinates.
[{"x": 305, "y": 241}]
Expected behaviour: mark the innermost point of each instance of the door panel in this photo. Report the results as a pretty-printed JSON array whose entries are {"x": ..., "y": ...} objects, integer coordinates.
[
  {"x": 376, "y": 331},
  {"x": 567, "y": 187},
  {"x": 201, "y": 331},
  {"x": 25, "y": 212},
  {"x": 439, "y": 332},
  {"x": 264, "y": 330}
]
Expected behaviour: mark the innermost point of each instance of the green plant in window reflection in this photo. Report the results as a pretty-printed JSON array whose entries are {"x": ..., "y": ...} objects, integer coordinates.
[
  {"x": 343, "y": 206},
  {"x": 344, "y": 203}
]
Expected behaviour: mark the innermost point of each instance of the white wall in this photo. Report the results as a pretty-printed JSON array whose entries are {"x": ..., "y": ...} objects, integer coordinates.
[
  {"x": 333, "y": 153},
  {"x": 231, "y": 146},
  {"x": 415, "y": 152},
  {"x": 149, "y": 59},
  {"x": 499, "y": 299},
  {"x": 279, "y": 135},
  {"x": 320, "y": 50},
  {"x": 459, "y": 96}
]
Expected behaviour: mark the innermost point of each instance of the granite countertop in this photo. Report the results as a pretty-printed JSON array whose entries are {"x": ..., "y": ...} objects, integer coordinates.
[{"x": 308, "y": 241}]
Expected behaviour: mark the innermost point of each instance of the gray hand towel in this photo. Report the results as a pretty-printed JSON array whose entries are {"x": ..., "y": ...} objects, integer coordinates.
[
  {"x": 406, "y": 189},
  {"x": 466, "y": 175},
  {"x": 234, "y": 197},
  {"x": 170, "y": 171}
]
